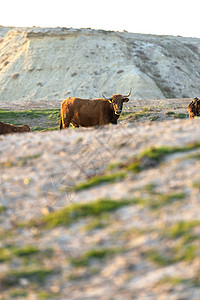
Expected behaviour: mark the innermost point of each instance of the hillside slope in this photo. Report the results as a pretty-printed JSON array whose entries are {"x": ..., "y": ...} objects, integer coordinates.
[
  {"x": 107, "y": 213},
  {"x": 51, "y": 63}
]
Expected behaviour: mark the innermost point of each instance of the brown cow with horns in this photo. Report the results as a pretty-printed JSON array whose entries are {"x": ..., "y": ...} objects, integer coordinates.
[{"x": 96, "y": 112}]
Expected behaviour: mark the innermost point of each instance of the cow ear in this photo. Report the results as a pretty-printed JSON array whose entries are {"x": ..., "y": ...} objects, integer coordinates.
[{"x": 125, "y": 99}]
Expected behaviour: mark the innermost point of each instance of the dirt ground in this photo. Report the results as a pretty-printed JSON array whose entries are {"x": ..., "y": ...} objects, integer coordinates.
[{"x": 103, "y": 213}]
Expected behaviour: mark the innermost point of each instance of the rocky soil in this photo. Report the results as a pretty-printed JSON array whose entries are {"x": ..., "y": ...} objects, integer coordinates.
[{"x": 127, "y": 202}]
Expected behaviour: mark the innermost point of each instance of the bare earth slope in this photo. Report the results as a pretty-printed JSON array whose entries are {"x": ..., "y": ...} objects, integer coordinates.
[
  {"x": 51, "y": 63},
  {"x": 139, "y": 241}
]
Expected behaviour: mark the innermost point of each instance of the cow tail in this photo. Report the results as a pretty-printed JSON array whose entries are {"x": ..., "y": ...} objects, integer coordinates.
[{"x": 61, "y": 123}]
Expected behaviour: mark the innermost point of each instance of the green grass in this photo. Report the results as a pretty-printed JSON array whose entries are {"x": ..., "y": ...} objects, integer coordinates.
[
  {"x": 187, "y": 253},
  {"x": 96, "y": 180},
  {"x": 97, "y": 254},
  {"x": 152, "y": 156},
  {"x": 42, "y": 295},
  {"x": 97, "y": 222},
  {"x": 16, "y": 293},
  {"x": 154, "y": 118},
  {"x": 182, "y": 228},
  {"x": 186, "y": 246},
  {"x": 10, "y": 251},
  {"x": 161, "y": 200},
  {"x": 180, "y": 116},
  {"x": 25, "y": 251},
  {"x": 196, "y": 184},
  {"x": 145, "y": 112},
  {"x": 36, "y": 275},
  {"x": 74, "y": 212},
  {"x": 194, "y": 281},
  {"x": 24, "y": 159},
  {"x": 46, "y": 119},
  {"x": 157, "y": 153},
  {"x": 155, "y": 256},
  {"x": 134, "y": 167},
  {"x": 52, "y": 114},
  {"x": 170, "y": 113},
  {"x": 2, "y": 209}
]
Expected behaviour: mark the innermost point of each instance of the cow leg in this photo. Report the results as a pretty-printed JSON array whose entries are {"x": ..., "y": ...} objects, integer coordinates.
[
  {"x": 66, "y": 121},
  {"x": 75, "y": 124},
  {"x": 114, "y": 122},
  {"x": 61, "y": 125}
]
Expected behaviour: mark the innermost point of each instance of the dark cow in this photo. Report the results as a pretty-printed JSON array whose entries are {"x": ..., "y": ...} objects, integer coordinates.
[
  {"x": 194, "y": 108},
  {"x": 10, "y": 128},
  {"x": 86, "y": 113}
]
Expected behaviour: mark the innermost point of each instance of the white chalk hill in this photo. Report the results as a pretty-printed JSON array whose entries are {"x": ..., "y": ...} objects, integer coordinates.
[{"x": 53, "y": 63}]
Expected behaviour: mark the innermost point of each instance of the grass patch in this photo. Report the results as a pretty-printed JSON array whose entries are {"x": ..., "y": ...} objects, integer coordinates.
[
  {"x": 154, "y": 118},
  {"x": 159, "y": 259},
  {"x": 174, "y": 255},
  {"x": 134, "y": 167},
  {"x": 157, "y": 153},
  {"x": 97, "y": 223},
  {"x": 182, "y": 228},
  {"x": 152, "y": 156},
  {"x": 96, "y": 180},
  {"x": 170, "y": 113},
  {"x": 74, "y": 212},
  {"x": 163, "y": 200},
  {"x": 186, "y": 248},
  {"x": 18, "y": 293},
  {"x": 127, "y": 115},
  {"x": 48, "y": 119},
  {"x": 11, "y": 116},
  {"x": 7, "y": 253},
  {"x": 141, "y": 114},
  {"x": 180, "y": 116},
  {"x": 97, "y": 254},
  {"x": 24, "y": 159},
  {"x": 13, "y": 277},
  {"x": 42, "y": 295},
  {"x": 2, "y": 209},
  {"x": 196, "y": 184},
  {"x": 195, "y": 282},
  {"x": 25, "y": 251},
  {"x": 113, "y": 166},
  {"x": 70, "y": 214}
]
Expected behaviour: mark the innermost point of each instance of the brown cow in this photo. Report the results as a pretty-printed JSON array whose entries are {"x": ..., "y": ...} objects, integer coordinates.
[
  {"x": 194, "y": 108},
  {"x": 10, "y": 128},
  {"x": 86, "y": 113}
]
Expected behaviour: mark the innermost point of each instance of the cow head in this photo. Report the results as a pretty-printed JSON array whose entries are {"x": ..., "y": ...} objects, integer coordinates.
[{"x": 117, "y": 102}]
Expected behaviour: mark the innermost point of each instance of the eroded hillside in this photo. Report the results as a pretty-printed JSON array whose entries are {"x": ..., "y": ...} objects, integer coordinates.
[{"x": 49, "y": 64}]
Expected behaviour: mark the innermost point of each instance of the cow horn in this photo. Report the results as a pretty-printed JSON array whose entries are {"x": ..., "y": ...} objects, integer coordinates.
[
  {"x": 107, "y": 98},
  {"x": 128, "y": 94}
]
